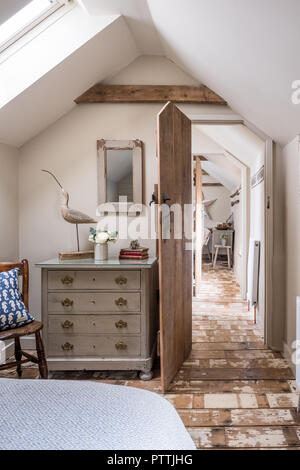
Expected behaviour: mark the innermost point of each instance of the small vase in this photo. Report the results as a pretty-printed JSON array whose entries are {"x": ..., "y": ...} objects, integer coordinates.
[
  {"x": 223, "y": 241},
  {"x": 101, "y": 251}
]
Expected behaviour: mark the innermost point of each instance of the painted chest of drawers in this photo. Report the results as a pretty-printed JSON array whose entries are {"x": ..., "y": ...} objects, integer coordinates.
[{"x": 100, "y": 316}]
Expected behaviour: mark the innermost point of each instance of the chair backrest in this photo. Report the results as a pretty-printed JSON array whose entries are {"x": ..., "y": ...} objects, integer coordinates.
[{"x": 24, "y": 272}]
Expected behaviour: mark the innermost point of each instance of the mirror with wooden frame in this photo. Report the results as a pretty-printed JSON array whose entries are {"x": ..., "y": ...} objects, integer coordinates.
[{"x": 120, "y": 175}]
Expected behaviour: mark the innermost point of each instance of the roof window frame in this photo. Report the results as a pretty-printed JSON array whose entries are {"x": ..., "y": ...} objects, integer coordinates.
[{"x": 57, "y": 5}]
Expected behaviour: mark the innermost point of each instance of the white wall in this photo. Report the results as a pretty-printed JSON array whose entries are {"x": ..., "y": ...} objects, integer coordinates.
[
  {"x": 237, "y": 219},
  {"x": 290, "y": 174},
  {"x": 9, "y": 203},
  {"x": 220, "y": 210},
  {"x": 68, "y": 148},
  {"x": 279, "y": 259},
  {"x": 9, "y": 225}
]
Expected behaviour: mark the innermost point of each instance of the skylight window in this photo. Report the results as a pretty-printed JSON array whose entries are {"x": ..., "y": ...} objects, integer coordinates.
[{"x": 26, "y": 19}]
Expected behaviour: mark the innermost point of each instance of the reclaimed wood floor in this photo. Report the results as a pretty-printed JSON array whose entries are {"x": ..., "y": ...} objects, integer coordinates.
[{"x": 233, "y": 392}]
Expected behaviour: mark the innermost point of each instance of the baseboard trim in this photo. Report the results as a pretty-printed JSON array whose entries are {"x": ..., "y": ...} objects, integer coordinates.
[{"x": 287, "y": 354}]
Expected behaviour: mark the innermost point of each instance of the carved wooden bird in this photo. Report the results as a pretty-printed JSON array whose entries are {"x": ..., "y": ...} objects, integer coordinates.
[{"x": 70, "y": 215}]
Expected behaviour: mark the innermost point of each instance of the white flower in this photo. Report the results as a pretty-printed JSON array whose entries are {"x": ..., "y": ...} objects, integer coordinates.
[
  {"x": 91, "y": 238},
  {"x": 101, "y": 237}
]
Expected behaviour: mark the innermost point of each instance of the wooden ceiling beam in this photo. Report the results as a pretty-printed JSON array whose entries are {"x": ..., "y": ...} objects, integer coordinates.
[
  {"x": 201, "y": 158},
  {"x": 149, "y": 94}
]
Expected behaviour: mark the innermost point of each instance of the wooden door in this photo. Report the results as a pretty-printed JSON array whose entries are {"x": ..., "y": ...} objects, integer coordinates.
[{"x": 175, "y": 253}]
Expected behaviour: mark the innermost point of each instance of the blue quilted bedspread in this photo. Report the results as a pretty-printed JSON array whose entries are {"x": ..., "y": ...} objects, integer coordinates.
[{"x": 54, "y": 414}]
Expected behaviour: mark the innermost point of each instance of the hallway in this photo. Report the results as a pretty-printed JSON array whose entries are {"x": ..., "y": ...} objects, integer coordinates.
[{"x": 233, "y": 392}]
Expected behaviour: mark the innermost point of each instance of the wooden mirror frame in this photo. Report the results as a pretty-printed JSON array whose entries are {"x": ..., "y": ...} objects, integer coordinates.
[{"x": 136, "y": 146}]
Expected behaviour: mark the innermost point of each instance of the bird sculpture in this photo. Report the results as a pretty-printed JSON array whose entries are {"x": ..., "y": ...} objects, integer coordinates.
[{"x": 70, "y": 215}]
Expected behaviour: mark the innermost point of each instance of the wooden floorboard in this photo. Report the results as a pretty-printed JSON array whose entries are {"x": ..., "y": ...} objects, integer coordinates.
[{"x": 192, "y": 373}]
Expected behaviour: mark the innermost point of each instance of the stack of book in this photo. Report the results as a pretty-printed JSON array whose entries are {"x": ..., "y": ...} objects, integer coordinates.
[{"x": 130, "y": 253}]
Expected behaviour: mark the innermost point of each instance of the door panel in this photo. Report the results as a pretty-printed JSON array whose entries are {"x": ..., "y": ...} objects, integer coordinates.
[{"x": 175, "y": 254}]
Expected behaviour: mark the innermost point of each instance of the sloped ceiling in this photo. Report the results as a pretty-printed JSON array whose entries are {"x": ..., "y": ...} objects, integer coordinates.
[
  {"x": 246, "y": 51},
  {"x": 242, "y": 143},
  {"x": 59, "y": 77},
  {"x": 222, "y": 170},
  {"x": 217, "y": 165},
  {"x": 138, "y": 18}
]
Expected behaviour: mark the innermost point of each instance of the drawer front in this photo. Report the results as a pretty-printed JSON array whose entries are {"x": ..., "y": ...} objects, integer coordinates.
[
  {"x": 115, "y": 302},
  {"x": 106, "y": 280},
  {"x": 94, "y": 324},
  {"x": 61, "y": 345}
]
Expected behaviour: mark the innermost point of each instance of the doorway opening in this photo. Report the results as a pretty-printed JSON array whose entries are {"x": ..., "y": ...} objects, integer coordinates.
[
  {"x": 224, "y": 142},
  {"x": 229, "y": 211}
]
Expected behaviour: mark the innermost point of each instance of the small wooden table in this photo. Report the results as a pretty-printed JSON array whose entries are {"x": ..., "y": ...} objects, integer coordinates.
[{"x": 228, "y": 249}]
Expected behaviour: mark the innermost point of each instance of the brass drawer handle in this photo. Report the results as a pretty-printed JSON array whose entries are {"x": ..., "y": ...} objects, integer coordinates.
[
  {"x": 67, "y": 303},
  {"x": 67, "y": 324},
  {"x": 120, "y": 280},
  {"x": 67, "y": 280},
  {"x": 120, "y": 301},
  {"x": 121, "y": 346},
  {"x": 121, "y": 324},
  {"x": 67, "y": 347}
]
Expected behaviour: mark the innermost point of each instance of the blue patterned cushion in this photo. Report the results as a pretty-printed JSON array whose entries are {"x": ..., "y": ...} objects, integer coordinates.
[{"x": 13, "y": 312}]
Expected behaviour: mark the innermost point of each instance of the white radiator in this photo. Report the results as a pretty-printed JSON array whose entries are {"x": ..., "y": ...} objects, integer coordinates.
[{"x": 253, "y": 271}]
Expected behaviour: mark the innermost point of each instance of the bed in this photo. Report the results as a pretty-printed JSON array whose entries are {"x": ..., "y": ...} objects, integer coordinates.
[{"x": 64, "y": 415}]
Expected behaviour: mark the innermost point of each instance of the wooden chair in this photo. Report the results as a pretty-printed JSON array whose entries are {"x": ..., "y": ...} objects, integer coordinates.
[{"x": 32, "y": 328}]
